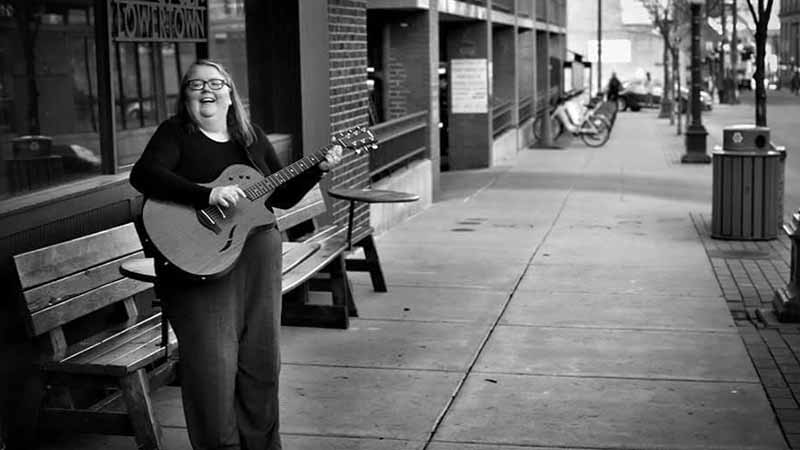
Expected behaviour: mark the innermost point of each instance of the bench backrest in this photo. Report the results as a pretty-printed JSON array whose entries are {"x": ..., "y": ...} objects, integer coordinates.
[
  {"x": 68, "y": 280},
  {"x": 309, "y": 207}
]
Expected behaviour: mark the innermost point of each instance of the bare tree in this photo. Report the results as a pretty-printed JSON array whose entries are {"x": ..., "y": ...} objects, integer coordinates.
[
  {"x": 761, "y": 14},
  {"x": 659, "y": 12},
  {"x": 668, "y": 16}
]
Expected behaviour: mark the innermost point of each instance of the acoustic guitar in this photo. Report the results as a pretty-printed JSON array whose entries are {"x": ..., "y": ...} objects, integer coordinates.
[{"x": 206, "y": 243}]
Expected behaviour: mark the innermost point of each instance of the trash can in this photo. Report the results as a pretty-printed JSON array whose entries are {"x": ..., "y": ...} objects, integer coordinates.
[{"x": 748, "y": 183}]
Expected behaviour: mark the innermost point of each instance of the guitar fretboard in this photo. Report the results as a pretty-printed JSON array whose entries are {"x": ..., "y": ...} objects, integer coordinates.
[{"x": 271, "y": 182}]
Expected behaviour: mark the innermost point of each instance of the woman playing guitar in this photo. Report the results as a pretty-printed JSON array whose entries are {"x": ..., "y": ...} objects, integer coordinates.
[{"x": 227, "y": 327}]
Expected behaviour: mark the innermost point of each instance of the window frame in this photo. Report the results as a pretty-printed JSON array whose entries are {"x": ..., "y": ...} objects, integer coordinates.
[{"x": 106, "y": 43}]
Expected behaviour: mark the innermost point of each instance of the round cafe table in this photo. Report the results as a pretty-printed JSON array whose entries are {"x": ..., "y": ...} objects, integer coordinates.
[{"x": 367, "y": 196}]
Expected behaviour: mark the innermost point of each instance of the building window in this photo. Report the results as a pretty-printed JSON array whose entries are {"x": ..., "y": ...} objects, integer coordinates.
[
  {"x": 145, "y": 78},
  {"x": 48, "y": 94},
  {"x": 228, "y": 43},
  {"x": 51, "y": 116}
]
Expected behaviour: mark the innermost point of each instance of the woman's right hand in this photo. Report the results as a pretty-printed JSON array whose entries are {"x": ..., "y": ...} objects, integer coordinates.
[{"x": 225, "y": 196}]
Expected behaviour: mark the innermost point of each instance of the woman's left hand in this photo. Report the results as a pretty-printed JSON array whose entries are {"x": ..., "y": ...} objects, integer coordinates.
[{"x": 332, "y": 158}]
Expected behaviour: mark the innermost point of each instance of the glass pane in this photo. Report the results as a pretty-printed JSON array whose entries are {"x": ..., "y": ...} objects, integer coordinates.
[
  {"x": 227, "y": 43},
  {"x": 172, "y": 76},
  {"x": 48, "y": 95},
  {"x": 84, "y": 89},
  {"x": 147, "y": 101},
  {"x": 127, "y": 92}
]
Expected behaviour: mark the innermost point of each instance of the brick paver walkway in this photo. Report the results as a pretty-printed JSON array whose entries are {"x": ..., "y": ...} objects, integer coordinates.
[{"x": 748, "y": 273}]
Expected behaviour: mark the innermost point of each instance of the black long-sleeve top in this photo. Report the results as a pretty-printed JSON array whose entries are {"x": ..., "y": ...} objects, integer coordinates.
[{"x": 175, "y": 160}]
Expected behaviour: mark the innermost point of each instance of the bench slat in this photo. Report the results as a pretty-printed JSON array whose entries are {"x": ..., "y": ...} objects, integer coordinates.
[
  {"x": 360, "y": 232},
  {"x": 71, "y": 286},
  {"x": 296, "y": 254},
  {"x": 50, "y": 263},
  {"x": 108, "y": 334},
  {"x": 139, "y": 352},
  {"x": 91, "y": 348},
  {"x": 310, "y": 206},
  {"x": 329, "y": 250},
  {"x": 120, "y": 355},
  {"x": 75, "y": 307}
]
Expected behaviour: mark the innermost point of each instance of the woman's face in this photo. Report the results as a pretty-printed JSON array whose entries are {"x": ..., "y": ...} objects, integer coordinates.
[{"x": 207, "y": 103}]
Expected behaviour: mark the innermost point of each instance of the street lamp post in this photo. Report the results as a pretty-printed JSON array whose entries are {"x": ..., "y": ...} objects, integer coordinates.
[
  {"x": 599, "y": 46},
  {"x": 696, "y": 132}
]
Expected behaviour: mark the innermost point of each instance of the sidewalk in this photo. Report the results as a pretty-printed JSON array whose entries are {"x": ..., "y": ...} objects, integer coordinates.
[{"x": 568, "y": 300}]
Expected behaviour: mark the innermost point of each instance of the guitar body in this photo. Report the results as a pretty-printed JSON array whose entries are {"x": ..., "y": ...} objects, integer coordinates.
[
  {"x": 205, "y": 243},
  {"x": 202, "y": 245}
]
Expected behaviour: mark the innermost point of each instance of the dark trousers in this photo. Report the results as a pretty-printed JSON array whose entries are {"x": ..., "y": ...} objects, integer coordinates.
[{"x": 227, "y": 333}]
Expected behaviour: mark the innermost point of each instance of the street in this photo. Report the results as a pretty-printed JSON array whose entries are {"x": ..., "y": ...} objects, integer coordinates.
[{"x": 783, "y": 110}]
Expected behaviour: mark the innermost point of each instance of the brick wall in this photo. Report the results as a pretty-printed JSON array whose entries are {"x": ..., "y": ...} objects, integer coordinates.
[
  {"x": 347, "y": 28},
  {"x": 398, "y": 92},
  {"x": 408, "y": 82}
]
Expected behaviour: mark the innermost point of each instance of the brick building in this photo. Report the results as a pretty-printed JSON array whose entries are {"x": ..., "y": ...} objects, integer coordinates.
[{"x": 444, "y": 84}]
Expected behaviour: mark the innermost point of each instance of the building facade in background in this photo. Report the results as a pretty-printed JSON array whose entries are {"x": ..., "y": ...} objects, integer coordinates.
[
  {"x": 789, "y": 40},
  {"x": 631, "y": 46}
]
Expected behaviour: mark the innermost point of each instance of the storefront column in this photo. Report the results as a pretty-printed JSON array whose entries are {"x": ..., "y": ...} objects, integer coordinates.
[
  {"x": 503, "y": 101},
  {"x": 433, "y": 95},
  {"x": 470, "y": 125},
  {"x": 412, "y": 80}
]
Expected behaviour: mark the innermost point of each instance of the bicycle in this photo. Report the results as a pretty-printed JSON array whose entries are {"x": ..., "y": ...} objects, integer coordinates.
[{"x": 594, "y": 129}]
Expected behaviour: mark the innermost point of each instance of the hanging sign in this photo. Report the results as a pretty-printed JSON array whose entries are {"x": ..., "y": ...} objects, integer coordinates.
[
  {"x": 159, "y": 20},
  {"x": 469, "y": 86}
]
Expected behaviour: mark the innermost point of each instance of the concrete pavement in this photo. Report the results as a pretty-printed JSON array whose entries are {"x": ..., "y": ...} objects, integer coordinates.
[{"x": 565, "y": 300}]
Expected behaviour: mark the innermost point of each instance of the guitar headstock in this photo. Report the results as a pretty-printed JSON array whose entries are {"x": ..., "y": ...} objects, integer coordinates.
[{"x": 358, "y": 139}]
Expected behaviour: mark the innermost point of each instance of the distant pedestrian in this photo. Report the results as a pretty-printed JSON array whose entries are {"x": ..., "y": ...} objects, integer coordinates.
[
  {"x": 648, "y": 85},
  {"x": 796, "y": 82},
  {"x": 614, "y": 86}
]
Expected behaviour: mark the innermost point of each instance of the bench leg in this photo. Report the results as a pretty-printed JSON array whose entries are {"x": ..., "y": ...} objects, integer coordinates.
[
  {"x": 136, "y": 392},
  {"x": 371, "y": 263},
  {"x": 341, "y": 291}
]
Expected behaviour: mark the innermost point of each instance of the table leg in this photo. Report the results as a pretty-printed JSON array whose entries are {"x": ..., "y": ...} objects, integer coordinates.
[{"x": 350, "y": 225}]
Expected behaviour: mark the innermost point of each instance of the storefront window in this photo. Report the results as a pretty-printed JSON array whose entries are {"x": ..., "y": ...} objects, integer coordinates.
[
  {"x": 227, "y": 43},
  {"x": 51, "y": 115},
  {"x": 48, "y": 94}
]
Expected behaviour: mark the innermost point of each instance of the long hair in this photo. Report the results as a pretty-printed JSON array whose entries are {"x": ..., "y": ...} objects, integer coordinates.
[{"x": 239, "y": 126}]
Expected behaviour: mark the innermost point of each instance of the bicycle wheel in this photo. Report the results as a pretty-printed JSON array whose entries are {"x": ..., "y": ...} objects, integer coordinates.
[{"x": 599, "y": 137}]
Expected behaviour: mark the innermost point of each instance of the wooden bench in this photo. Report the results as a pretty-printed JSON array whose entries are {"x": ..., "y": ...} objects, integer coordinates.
[
  {"x": 313, "y": 260},
  {"x": 324, "y": 270},
  {"x": 82, "y": 312}
]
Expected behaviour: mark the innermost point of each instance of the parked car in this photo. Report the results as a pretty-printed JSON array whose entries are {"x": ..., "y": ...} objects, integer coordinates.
[
  {"x": 634, "y": 97},
  {"x": 705, "y": 100}
]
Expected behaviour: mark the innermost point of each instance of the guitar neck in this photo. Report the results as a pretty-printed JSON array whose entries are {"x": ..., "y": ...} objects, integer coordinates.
[{"x": 273, "y": 181}]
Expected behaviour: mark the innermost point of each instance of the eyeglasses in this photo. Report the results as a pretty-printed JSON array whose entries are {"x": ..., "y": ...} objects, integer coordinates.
[{"x": 214, "y": 84}]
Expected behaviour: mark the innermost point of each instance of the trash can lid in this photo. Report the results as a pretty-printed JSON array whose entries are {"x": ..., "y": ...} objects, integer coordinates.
[{"x": 747, "y": 138}]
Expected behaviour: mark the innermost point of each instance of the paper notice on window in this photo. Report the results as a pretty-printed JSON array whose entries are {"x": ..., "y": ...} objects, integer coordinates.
[{"x": 469, "y": 86}]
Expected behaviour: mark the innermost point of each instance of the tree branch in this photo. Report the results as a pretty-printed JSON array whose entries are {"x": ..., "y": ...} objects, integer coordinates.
[
  {"x": 752, "y": 12},
  {"x": 768, "y": 11}
]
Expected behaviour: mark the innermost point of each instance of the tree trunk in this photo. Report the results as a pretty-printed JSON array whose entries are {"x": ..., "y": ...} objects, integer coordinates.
[
  {"x": 666, "y": 91},
  {"x": 676, "y": 75},
  {"x": 761, "y": 92}
]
